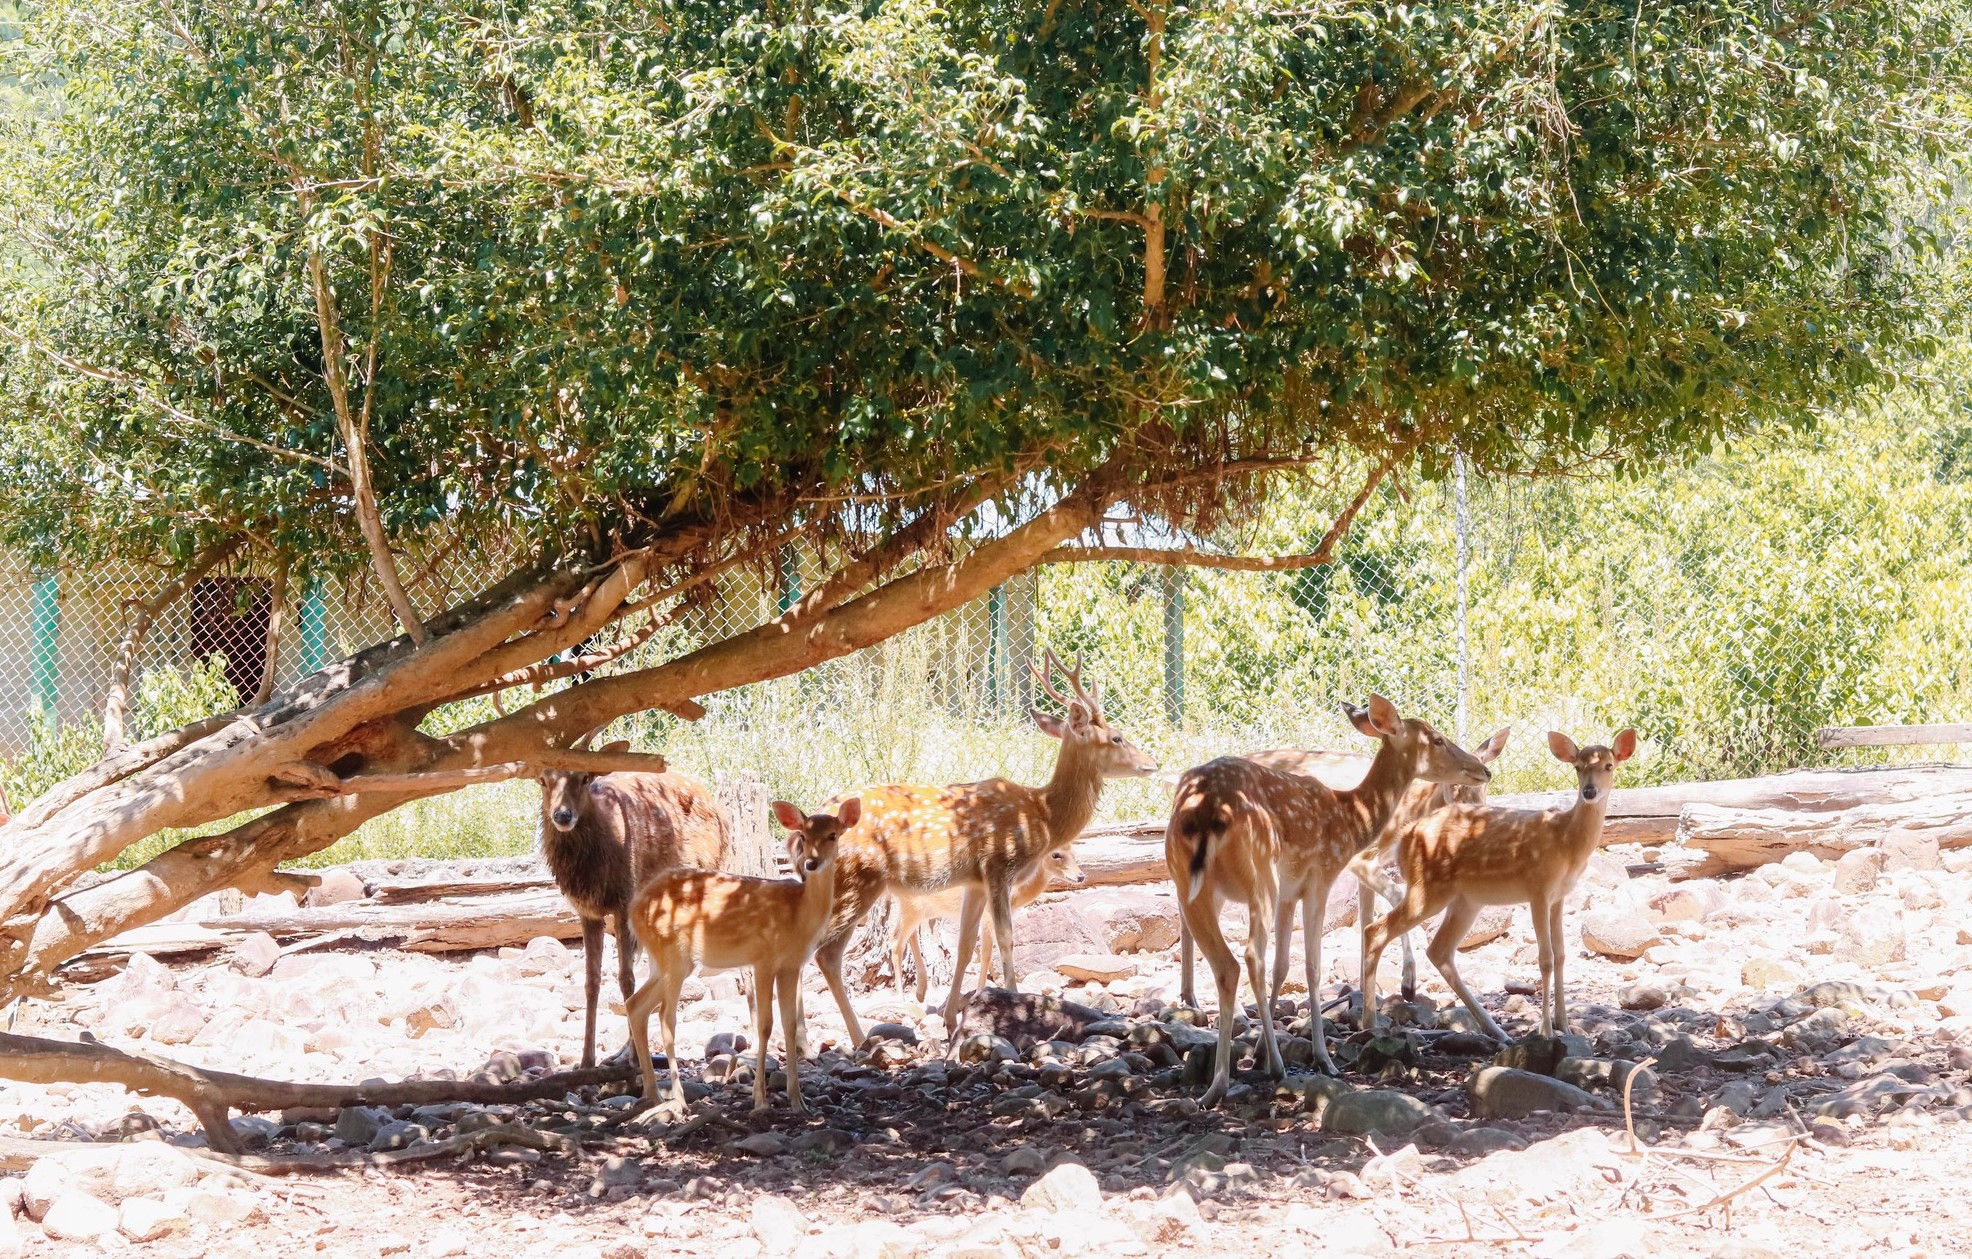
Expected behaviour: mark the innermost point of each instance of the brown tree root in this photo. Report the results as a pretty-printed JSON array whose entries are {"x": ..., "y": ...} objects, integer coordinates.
[
  {"x": 213, "y": 1095},
  {"x": 17, "y": 1154}
]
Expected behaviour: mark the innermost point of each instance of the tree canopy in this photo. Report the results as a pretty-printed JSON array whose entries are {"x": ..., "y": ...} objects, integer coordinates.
[{"x": 619, "y": 293}]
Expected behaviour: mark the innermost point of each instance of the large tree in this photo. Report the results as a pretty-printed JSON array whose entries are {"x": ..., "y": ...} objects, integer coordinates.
[{"x": 620, "y": 296}]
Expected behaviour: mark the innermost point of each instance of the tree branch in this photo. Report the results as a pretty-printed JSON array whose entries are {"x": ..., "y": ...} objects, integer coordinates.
[
  {"x": 116, "y": 702},
  {"x": 277, "y": 610}
]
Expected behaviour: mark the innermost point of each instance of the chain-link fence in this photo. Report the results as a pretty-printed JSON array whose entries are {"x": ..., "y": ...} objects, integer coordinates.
[{"x": 1727, "y": 610}]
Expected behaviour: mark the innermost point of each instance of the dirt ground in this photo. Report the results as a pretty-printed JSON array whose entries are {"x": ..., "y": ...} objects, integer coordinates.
[{"x": 1811, "y": 1025}]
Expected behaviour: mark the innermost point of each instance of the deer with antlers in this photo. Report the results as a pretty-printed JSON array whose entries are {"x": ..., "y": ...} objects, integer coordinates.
[
  {"x": 699, "y": 919},
  {"x": 1242, "y": 832},
  {"x": 603, "y": 836},
  {"x": 978, "y": 837},
  {"x": 1466, "y": 857}
]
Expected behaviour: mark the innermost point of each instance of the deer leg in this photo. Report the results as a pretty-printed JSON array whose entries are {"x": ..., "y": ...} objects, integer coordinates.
[
  {"x": 1443, "y": 952},
  {"x": 970, "y": 910},
  {"x": 829, "y": 958},
  {"x": 667, "y": 1013},
  {"x": 1371, "y": 878},
  {"x": 1260, "y": 927},
  {"x": 592, "y": 982},
  {"x": 917, "y": 959},
  {"x": 1283, "y": 944},
  {"x": 1314, "y": 916},
  {"x": 1556, "y": 942},
  {"x": 638, "y": 1009},
  {"x": 1000, "y": 901},
  {"x": 1377, "y": 937},
  {"x": 1204, "y": 921},
  {"x": 789, "y": 986},
  {"x": 763, "y": 1031},
  {"x": 1187, "y": 994}
]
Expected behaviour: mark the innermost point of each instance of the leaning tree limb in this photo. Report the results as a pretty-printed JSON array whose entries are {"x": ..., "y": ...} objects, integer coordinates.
[{"x": 213, "y": 1095}]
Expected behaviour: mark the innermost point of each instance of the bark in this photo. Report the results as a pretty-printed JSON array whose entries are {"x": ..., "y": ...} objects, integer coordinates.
[
  {"x": 1712, "y": 840},
  {"x": 277, "y": 611},
  {"x": 116, "y": 702},
  {"x": 212, "y": 1095}
]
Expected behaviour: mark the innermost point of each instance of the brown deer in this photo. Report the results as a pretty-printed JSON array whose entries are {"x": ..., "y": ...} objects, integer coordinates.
[
  {"x": 604, "y": 836},
  {"x": 1466, "y": 857},
  {"x": 1243, "y": 832},
  {"x": 1340, "y": 771},
  {"x": 689, "y": 919},
  {"x": 977, "y": 837},
  {"x": 914, "y": 912}
]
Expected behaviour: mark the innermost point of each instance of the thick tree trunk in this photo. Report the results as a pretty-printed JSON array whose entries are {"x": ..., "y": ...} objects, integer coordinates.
[{"x": 1714, "y": 840}]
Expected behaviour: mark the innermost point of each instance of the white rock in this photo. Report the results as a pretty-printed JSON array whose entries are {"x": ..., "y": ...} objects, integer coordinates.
[
  {"x": 77, "y": 1217},
  {"x": 254, "y": 954},
  {"x": 873, "y": 1239},
  {"x": 1618, "y": 932},
  {"x": 447, "y": 1242},
  {"x": 777, "y": 1223},
  {"x": 1099, "y": 968},
  {"x": 1871, "y": 936},
  {"x": 147, "y": 1219},
  {"x": 1068, "y": 1187},
  {"x": 219, "y": 1207}
]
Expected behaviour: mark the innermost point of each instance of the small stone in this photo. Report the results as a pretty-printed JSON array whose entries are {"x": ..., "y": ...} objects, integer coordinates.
[
  {"x": 1871, "y": 937},
  {"x": 435, "y": 1016},
  {"x": 1620, "y": 933},
  {"x": 1479, "y": 1142},
  {"x": 447, "y": 1243},
  {"x": 890, "y": 1031},
  {"x": 1068, "y": 1187},
  {"x": 1857, "y": 871},
  {"x": 1375, "y": 1110},
  {"x": 1681, "y": 1053},
  {"x": 254, "y": 954},
  {"x": 822, "y": 1141},
  {"x": 336, "y": 887},
  {"x": 1767, "y": 972},
  {"x": 1642, "y": 995},
  {"x": 1101, "y": 968},
  {"x": 147, "y": 1219},
  {"x": 1507, "y": 1093},
  {"x": 218, "y": 1207},
  {"x": 1493, "y": 922},
  {"x": 78, "y": 1217},
  {"x": 357, "y": 1126},
  {"x": 1903, "y": 850},
  {"x": 761, "y": 1145},
  {"x": 1024, "y": 1160},
  {"x": 986, "y": 1047},
  {"x": 543, "y": 954},
  {"x": 777, "y": 1224},
  {"x": 729, "y": 1043}
]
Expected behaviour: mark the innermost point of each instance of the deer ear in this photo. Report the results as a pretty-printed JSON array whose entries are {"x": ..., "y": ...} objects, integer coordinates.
[
  {"x": 1051, "y": 725},
  {"x": 615, "y": 745},
  {"x": 1489, "y": 751},
  {"x": 1359, "y": 718},
  {"x": 1624, "y": 744},
  {"x": 1383, "y": 715},
  {"x": 1562, "y": 746},
  {"x": 789, "y": 816},
  {"x": 850, "y": 812}
]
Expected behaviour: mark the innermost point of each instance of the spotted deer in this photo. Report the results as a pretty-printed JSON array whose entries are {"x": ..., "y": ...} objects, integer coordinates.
[
  {"x": 603, "y": 836},
  {"x": 976, "y": 837},
  {"x": 1469, "y": 856},
  {"x": 916, "y": 912},
  {"x": 1242, "y": 832},
  {"x": 699, "y": 919}
]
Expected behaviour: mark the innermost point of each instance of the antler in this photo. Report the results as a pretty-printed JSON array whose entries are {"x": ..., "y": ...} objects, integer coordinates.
[
  {"x": 1089, "y": 699},
  {"x": 1044, "y": 674}
]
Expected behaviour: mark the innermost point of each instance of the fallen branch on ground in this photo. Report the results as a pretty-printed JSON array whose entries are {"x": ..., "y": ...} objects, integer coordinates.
[{"x": 17, "y": 1154}]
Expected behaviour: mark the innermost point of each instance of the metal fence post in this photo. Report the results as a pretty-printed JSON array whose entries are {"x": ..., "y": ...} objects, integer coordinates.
[
  {"x": 1174, "y": 644},
  {"x": 1462, "y": 524},
  {"x": 46, "y": 616}
]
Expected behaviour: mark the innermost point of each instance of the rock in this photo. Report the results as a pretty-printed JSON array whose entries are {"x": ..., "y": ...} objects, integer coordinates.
[
  {"x": 889, "y": 1031},
  {"x": 10, "y": 1236},
  {"x": 434, "y": 1016},
  {"x": 1737, "y": 1096},
  {"x": 1375, "y": 1110},
  {"x": 1493, "y": 922},
  {"x": 872, "y": 1239},
  {"x": 1024, "y": 1160},
  {"x": 179, "y": 1024},
  {"x": 1857, "y": 871},
  {"x": 616, "y": 1172},
  {"x": 761, "y": 1145},
  {"x": 1904, "y": 850},
  {"x": 1098, "y": 968},
  {"x": 254, "y": 955},
  {"x": 543, "y": 955},
  {"x": 1508, "y": 1093},
  {"x": 822, "y": 1141},
  {"x": 75, "y": 1216},
  {"x": 1028, "y": 1016},
  {"x": 776, "y": 1224},
  {"x": 1617, "y": 932},
  {"x": 1126, "y": 919},
  {"x": 1957, "y": 1002},
  {"x": 729, "y": 1044},
  {"x": 1067, "y": 1187},
  {"x": 1642, "y": 995},
  {"x": 337, "y": 887},
  {"x": 111, "y": 1173},
  {"x": 397, "y": 1134},
  {"x": 147, "y": 1219},
  {"x": 1687, "y": 902},
  {"x": 218, "y": 1207},
  {"x": 1560, "y": 1167},
  {"x": 1681, "y": 1053},
  {"x": 1871, "y": 937},
  {"x": 986, "y": 1047},
  {"x": 1340, "y": 1233},
  {"x": 1769, "y": 972},
  {"x": 1542, "y": 1054},
  {"x": 1479, "y": 1142},
  {"x": 357, "y": 1126}
]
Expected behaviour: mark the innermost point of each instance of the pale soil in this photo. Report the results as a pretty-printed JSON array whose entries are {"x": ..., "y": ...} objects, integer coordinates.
[{"x": 1265, "y": 1177}]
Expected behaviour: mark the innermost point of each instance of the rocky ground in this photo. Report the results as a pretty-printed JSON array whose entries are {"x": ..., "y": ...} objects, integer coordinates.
[{"x": 1811, "y": 1026}]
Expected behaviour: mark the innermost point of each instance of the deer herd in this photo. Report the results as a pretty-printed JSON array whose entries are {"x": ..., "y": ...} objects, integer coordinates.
[{"x": 1271, "y": 831}]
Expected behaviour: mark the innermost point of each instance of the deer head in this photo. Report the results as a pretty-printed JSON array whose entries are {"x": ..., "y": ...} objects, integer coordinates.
[
  {"x": 812, "y": 837},
  {"x": 1062, "y": 867},
  {"x": 1438, "y": 759},
  {"x": 1084, "y": 727},
  {"x": 565, "y": 794},
  {"x": 1595, "y": 765}
]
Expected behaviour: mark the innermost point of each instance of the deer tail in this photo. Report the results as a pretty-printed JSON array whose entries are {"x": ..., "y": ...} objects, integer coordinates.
[{"x": 1201, "y": 820}]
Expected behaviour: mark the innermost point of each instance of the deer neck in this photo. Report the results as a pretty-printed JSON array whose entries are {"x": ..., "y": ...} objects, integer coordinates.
[
  {"x": 1582, "y": 823},
  {"x": 818, "y": 897},
  {"x": 1382, "y": 789},
  {"x": 1072, "y": 792}
]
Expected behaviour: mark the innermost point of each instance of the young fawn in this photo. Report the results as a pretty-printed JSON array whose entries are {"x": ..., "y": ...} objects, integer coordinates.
[
  {"x": 914, "y": 912},
  {"x": 603, "y": 836},
  {"x": 977, "y": 837},
  {"x": 1466, "y": 857},
  {"x": 1340, "y": 771},
  {"x": 1243, "y": 832},
  {"x": 687, "y": 919}
]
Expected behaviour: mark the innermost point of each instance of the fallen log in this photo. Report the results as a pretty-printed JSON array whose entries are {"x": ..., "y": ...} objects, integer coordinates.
[
  {"x": 213, "y": 1095},
  {"x": 1712, "y": 840}
]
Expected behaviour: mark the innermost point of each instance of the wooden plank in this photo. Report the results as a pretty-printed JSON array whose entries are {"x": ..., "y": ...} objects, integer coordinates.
[
  {"x": 1892, "y": 736},
  {"x": 1713, "y": 840}
]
